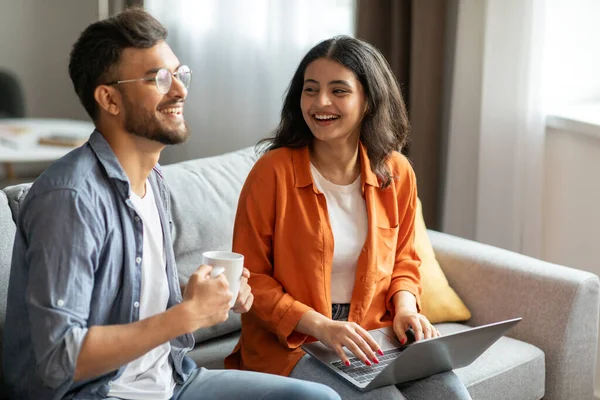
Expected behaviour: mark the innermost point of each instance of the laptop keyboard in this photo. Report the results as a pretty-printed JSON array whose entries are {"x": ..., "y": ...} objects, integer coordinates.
[{"x": 363, "y": 373}]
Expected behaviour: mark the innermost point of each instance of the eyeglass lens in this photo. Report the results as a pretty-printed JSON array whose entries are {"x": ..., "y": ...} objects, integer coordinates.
[{"x": 164, "y": 78}]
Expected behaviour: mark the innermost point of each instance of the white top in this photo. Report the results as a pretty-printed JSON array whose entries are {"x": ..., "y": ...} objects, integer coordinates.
[
  {"x": 348, "y": 218},
  {"x": 149, "y": 377}
]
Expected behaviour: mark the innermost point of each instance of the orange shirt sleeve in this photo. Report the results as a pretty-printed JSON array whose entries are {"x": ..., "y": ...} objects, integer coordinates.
[
  {"x": 253, "y": 237},
  {"x": 406, "y": 275}
]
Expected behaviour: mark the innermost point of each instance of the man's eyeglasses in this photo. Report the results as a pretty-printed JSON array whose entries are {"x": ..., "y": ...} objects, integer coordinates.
[{"x": 164, "y": 79}]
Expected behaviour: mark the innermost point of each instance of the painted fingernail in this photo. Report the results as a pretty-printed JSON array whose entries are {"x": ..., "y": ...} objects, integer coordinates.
[
  {"x": 403, "y": 341},
  {"x": 375, "y": 360},
  {"x": 347, "y": 363},
  {"x": 368, "y": 362},
  {"x": 380, "y": 352}
]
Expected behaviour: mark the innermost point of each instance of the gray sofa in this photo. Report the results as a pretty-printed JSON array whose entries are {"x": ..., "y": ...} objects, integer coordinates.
[{"x": 550, "y": 354}]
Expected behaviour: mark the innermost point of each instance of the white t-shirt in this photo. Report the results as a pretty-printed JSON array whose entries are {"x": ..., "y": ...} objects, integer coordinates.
[
  {"x": 149, "y": 377},
  {"x": 348, "y": 218}
]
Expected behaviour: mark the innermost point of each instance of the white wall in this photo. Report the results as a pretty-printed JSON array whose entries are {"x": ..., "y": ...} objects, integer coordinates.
[
  {"x": 572, "y": 196},
  {"x": 572, "y": 193},
  {"x": 35, "y": 40}
]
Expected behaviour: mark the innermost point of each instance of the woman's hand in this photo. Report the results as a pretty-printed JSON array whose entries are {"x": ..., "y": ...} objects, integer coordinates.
[
  {"x": 245, "y": 298},
  {"x": 406, "y": 318},
  {"x": 337, "y": 334}
]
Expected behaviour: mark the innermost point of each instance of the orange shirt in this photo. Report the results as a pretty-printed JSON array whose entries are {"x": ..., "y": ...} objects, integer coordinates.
[{"x": 282, "y": 229}]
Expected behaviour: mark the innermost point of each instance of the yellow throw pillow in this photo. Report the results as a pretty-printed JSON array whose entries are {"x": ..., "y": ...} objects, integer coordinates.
[{"x": 439, "y": 302}]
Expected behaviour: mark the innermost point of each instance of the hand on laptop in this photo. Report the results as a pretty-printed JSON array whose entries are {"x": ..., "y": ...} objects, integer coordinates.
[
  {"x": 336, "y": 334},
  {"x": 406, "y": 318}
]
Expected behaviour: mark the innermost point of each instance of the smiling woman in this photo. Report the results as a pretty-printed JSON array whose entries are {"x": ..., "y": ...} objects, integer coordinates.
[
  {"x": 333, "y": 102},
  {"x": 326, "y": 220}
]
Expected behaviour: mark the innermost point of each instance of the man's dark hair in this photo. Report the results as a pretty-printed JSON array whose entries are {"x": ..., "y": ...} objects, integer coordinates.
[{"x": 96, "y": 53}]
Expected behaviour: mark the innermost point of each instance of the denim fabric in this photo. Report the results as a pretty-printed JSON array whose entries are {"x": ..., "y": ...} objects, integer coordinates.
[
  {"x": 77, "y": 263},
  {"x": 242, "y": 385},
  {"x": 340, "y": 312}
]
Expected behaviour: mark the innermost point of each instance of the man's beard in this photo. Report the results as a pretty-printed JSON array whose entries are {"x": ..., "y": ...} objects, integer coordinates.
[{"x": 144, "y": 124}]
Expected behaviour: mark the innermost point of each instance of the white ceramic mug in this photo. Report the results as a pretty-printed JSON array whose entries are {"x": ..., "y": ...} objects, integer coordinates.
[{"x": 229, "y": 264}]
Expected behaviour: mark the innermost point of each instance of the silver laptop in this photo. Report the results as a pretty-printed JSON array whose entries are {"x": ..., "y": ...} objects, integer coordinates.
[{"x": 414, "y": 360}]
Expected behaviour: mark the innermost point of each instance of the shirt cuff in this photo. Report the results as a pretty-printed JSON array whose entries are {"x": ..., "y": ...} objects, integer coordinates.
[
  {"x": 286, "y": 328},
  {"x": 59, "y": 365},
  {"x": 398, "y": 286}
]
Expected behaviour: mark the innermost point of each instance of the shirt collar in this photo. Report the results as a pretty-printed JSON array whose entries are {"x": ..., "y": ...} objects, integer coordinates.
[
  {"x": 107, "y": 157},
  {"x": 303, "y": 176},
  {"x": 111, "y": 164}
]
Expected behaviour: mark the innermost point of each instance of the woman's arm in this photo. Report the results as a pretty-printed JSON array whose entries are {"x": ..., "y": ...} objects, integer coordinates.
[
  {"x": 253, "y": 237},
  {"x": 405, "y": 275},
  {"x": 405, "y": 287}
]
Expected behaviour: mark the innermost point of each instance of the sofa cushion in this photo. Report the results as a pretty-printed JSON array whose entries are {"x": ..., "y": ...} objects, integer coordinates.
[
  {"x": 15, "y": 195},
  {"x": 206, "y": 192},
  {"x": 210, "y": 354},
  {"x": 204, "y": 196},
  {"x": 233, "y": 323},
  {"x": 439, "y": 302},
  {"x": 7, "y": 237},
  {"x": 510, "y": 369}
]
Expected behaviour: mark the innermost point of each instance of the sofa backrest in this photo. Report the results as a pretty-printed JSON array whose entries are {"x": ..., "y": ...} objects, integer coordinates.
[
  {"x": 204, "y": 196},
  {"x": 7, "y": 236}
]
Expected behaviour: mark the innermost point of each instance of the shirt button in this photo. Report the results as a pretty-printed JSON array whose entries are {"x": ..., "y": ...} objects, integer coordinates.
[
  {"x": 60, "y": 302},
  {"x": 136, "y": 304},
  {"x": 363, "y": 279},
  {"x": 364, "y": 249},
  {"x": 138, "y": 260},
  {"x": 136, "y": 218}
]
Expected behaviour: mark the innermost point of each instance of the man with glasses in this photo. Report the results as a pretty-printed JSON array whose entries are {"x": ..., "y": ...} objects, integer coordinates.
[{"x": 94, "y": 306}]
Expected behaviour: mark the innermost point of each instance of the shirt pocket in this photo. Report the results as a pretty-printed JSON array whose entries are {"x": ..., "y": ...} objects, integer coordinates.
[{"x": 387, "y": 240}]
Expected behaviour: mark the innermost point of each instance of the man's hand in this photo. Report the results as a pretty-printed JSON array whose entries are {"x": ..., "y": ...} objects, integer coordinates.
[
  {"x": 206, "y": 300},
  {"x": 245, "y": 298}
]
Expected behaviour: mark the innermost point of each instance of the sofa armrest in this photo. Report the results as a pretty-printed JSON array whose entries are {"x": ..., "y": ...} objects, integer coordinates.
[{"x": 559, "y": 306}]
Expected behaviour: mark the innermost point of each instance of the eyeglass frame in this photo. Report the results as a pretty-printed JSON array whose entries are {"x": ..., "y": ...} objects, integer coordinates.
[{"x": 155, "y": 78}]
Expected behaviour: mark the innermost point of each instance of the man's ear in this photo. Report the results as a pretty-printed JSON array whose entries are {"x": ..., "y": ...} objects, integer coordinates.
[{"x": 108, "y": 99}]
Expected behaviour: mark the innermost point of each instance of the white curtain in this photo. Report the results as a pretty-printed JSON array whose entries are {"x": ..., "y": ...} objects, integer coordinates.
[
  {"x": 494, "y": 191},
  {"x": 243, "y": 55}
]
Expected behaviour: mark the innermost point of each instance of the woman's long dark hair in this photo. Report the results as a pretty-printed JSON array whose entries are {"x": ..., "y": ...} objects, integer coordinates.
[{"x": 385, "y": 127}]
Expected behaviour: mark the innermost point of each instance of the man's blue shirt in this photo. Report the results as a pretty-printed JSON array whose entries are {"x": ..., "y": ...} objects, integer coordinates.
[{"x": 76, "y": 263}]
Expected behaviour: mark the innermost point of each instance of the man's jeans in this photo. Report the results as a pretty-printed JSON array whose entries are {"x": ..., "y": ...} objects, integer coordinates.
[
  {"x": 206, "y": 384},
  {"x": 233, "y": 384}
]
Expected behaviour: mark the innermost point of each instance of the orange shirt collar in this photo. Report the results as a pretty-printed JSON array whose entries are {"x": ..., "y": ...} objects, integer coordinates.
[{"x": 303, "y": 176}]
